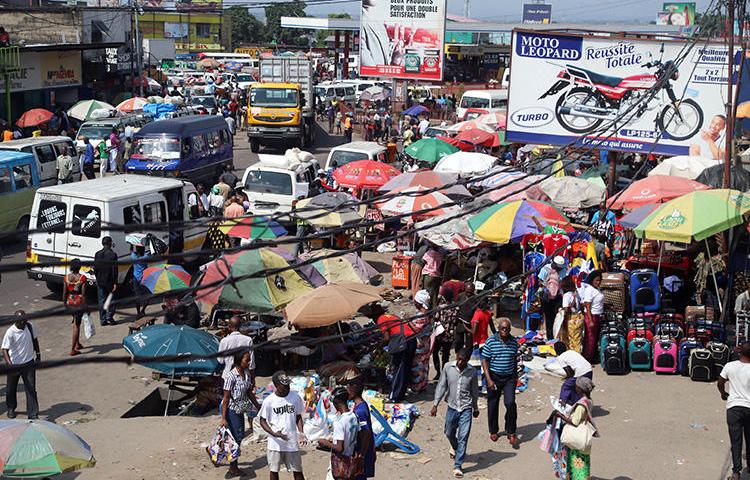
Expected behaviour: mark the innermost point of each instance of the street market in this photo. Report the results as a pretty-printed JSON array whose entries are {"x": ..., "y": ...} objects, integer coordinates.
[{"x": 286, "y": 262}]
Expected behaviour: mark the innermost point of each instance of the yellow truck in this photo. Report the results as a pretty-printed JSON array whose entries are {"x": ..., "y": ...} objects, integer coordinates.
[{"x": 281, "y": 107}]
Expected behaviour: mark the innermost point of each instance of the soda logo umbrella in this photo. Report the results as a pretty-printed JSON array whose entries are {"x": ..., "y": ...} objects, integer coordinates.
[
  {"x": 655, "y": 189},
  {"x": 364, "y": 174}
]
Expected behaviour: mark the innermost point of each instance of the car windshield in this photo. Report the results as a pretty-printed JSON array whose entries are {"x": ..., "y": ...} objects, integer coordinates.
[
  {"x": 474, "y": 102},
  {"x": 208, "y": 102},
  {"x": 95, "y": 132},
  {"x": 244, "y": 78},
  {"x": 261, "y": 181},
  {"x": 156, "y": 148},
  {"x": 433, "y": 132},
  {"x": 342, "y": 157},
  {"x": 274, "y": 97}
]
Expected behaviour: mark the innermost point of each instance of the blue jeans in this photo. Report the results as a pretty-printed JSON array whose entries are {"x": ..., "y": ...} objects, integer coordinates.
[
  {"x": 402, "y": 370},
  {"x": 236, "y": 425},
  {"x": 105, "y": 316},
  {"x": 457, "y": 429}
]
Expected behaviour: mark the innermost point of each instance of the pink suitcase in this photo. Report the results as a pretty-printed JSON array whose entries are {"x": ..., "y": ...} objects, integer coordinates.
[{"x": 665, "y": 355}]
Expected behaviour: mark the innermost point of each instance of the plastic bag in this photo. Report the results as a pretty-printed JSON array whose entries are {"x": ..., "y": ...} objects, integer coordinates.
[
  {"x": 88, "y": 326},
  {"x": 223, "y": 447},
  {"x": 316, "y": 428}
]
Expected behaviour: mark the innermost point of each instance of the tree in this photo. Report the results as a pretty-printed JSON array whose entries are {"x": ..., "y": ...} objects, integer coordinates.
[
  {"x": 245, "y": 27},
  {"x": 285, "y": 36},
  {"x": 320, "y": 39}
]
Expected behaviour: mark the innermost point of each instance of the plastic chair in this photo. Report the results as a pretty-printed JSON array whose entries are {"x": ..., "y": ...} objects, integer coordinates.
[{"x": 388, "y": 435}]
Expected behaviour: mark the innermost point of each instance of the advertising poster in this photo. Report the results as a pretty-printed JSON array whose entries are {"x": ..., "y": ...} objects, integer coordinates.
[
  {"x": 677, "y": 13},
  {"x": 176, "y": 30},
  {"x": 537, "y": 13},
  {"x": 402, "y": 39},
  {"x": 566, "y": 88},
  {"x": 198, "y": 4}
]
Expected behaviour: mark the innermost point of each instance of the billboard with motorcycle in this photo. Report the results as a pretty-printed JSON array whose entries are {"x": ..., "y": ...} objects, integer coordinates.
[{"x": 565, "y": 87}]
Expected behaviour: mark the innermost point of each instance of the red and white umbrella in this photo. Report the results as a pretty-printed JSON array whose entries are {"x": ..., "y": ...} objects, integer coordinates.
[
  {"x": 131, "y": 105},
  {"x": 471, "y": 125},
  {"x": 410, "y": 201}
]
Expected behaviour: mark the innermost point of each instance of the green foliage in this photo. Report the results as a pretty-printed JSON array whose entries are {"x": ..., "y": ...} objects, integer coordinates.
[
  {"x": 285, "y": 36},
  {"x": 246, "y": 29}
]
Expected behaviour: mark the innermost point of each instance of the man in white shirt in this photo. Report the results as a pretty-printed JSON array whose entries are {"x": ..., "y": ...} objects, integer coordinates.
[
  {"x": 742, "y": 304},
  {"x": 281, "y": 417},
  {"x": 575, "y": 365},
  {"x": 21, "y": 349},
  {"x": 424, "y": 124},
  {"x": 737, "y": 374}
]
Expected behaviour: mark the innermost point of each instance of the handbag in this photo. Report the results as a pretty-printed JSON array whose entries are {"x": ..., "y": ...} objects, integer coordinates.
[
  {"x": 578, "y": 437},
  {"x": 397, "y": 343},
  {"x": 347, "y": 467}
]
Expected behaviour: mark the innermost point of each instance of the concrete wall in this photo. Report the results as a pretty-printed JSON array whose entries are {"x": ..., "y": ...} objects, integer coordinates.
[{"x": 42, "y": 27}]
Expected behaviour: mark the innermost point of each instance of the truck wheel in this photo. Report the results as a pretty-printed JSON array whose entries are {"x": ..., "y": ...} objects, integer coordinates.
[
  {"x": 22, "y": 230},
  {"x": 254, "y": 146}
]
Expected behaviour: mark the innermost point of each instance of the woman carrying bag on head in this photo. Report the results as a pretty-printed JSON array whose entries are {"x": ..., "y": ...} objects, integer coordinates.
[
  {"x": 578, "y": 432},
  {"x": 74, "y": 295}
]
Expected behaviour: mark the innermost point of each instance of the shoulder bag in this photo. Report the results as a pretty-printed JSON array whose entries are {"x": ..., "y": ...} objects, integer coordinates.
[
  {"x": 397, "y": 343},
  {"x": 579, "y": 437},
  {"x": 343, "y": 467}
]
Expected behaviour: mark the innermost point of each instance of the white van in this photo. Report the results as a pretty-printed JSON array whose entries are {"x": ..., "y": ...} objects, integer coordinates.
[
  {"x": 45, "y": 151},
  {"x": 489, "y": 100},
  {"x": 74, "y": 217},
  {"x": 276, "y": 182},
  {"x": 342, "y": 91},
  {"x": 351, "y": 152}
]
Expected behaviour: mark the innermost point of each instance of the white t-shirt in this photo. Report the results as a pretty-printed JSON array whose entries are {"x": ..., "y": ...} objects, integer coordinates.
[
  {"x": 423, "y": 126},
  {"x": 19, "y": 344},
  {"x": 574, "y": 360},
  {"x": 281, "y": 415},
  {"x": 591, "y": 294},
  {"x": 345, "y": 427},
  {"x": 738, "y": 376},
  {"x": 232, "y": 341},
  {"x": 570, "y": 300}
]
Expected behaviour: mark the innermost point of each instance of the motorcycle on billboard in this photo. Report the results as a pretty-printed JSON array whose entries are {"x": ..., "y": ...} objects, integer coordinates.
[{"x": 595, "y": 97}]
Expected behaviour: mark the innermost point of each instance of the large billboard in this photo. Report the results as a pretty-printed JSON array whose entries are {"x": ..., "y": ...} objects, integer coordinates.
[
  {"x": 566, "y": 87},
  {"x": 402, "y": 39},
  {"x": 537, "y": 13},
  {"x": 677, "y": 13}
]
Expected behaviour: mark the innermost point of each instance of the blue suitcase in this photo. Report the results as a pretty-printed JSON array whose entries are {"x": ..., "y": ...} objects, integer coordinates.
[
  {"x": 683, "y": 355},
  {"x": 645, "y": 295}
]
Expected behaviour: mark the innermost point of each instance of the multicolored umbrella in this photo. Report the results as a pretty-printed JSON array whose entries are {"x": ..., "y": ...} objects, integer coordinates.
[
  {"x": 38, "y": 449},
  {"x": 695, "y": 216},
  {"x": 82, "y": 110},
  {"x": 348, "y": 268},
  {"x": 251, "y": 228},
  {"x": 510, "y": 221},
  {"x": 365, "y": 174},
  {"x": 329, "y": 209},
  {"x": 165, "y": 278},
  {"x": 634, "y": 218},
  {"x": 501, "y": 176},
  {"x": 329, "y": 304},
  {"x": 34, "y": 117},
  {"x": 655, "y": 189},
  {"x": 495, "y": 120},
  {"x": 471, "y": 125},
  {"x": 410, "y": 201},
  {"x": 132, "y": 104},
  {"x": 166, "y": 340},
  {"x": 452, "y": 235},
  {"x": 228, "y": 281},
  {"x": 429, "y": 150},
  {"x": 428, "y": 179}
]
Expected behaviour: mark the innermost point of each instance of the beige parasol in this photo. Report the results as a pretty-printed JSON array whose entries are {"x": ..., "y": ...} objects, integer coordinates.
[{"x": 329, "y": 304}]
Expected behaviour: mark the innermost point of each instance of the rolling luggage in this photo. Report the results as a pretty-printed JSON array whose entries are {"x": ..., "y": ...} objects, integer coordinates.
[
  {"x": 665, "y": 355},
  {"x": 720, "y": 354},
  {"x": 701, "y": 365},
  {"x": 614, "y": 286},
  {"x": 639, "y": 353},
  {"x": 683, "y": 354},
  {"x": 694, "y": 312},
  {"x": 644, "y": 291},
  {"x": 613, "y": 354}
]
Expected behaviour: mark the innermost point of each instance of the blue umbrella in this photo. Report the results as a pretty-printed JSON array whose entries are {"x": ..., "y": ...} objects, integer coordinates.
[
  {"x": 634, "y": 218},
  {"x": 415, "y": 110},
  {"x": 167, "y": 339}
]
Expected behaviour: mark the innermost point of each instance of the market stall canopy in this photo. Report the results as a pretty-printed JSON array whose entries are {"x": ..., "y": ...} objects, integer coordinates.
[
  {"x": 415, "y": 110},
  {"x": 347, "y": 268},
  {"x": 365, "y": 174},
  {"x": 695, "y": 216},
  {"x": 526, "y": 188},
  {"x": 572, "y": 192},
  {"x": 329, "y": 304},
  {"x": 251, "y": 228},
  {"x": 452, "y": 235},
  {"x": 208, "y": 63},
  {"x": 40, "y": 449},
  {"x": 511, "y": 221},
  {"x": 634, "y": 218},
  {"x": 466, "y": 164},
  {"x": 471, "y": 125},
  {"x": 739, "y": 178},
  {"x": 329, "y": 209},
  {"x": 34, "y": 117},
  {"x": 166, "y": 340},
  {"x": 132, "y": 104},
  {"x": 411, "y": 201},
  {"x": 84, "y": 110},
  {"x": 654, "y": 189},
  {"x": 228, "y": 281},
  {"x": 685, "y": 166},
  {"x": 495, "y": 120},
  {"x": 427, "y": 179},
  {"x": 466, "y": 147},
  {"x": 165, "y": 278},
  {"x": 375, "y": 93},
  {"x": 476, "y": 136},
  {"x": 430, "y": 150}
]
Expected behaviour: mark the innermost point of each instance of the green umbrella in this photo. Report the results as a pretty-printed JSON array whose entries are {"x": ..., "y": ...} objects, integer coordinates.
[
  {"x": 83, "y": 109},
  {"x": 430, "y": 150}
]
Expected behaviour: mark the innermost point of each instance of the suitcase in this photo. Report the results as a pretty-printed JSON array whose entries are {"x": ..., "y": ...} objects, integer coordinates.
[
  {"x": 614, "y": 286},
  {"x": 683, "y": 354},
  {"x": 639, "y": 353},
  {"x": 720, "y": 354},
  {"x": 639, "y": 330},
  {"x": 669, "y": 329},
  {"x": 701, "y": 365},
  {"x": 644, "y": 291},
  {"x": 665, "y": 355},
  {"x": 695, "y": 312},
  {"x": 742, "y": 324},
  {"x": 613, "y": 354},
  {"x": 716, "y": 328}
]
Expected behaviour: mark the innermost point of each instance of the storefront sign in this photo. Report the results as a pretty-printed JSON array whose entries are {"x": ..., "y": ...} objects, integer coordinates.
[
  {"x": 570, "y": 88},
  {"x": 537, "y": 13},
  {"x": 40, "y": 70},
  {"x": 682, "y": 14},
  {"x": 402, "y": 39},
  {"x": 187, "y": 47}
]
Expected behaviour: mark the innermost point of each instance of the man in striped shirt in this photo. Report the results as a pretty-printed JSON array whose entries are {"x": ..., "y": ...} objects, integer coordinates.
[{"x": 499, "y": 363}]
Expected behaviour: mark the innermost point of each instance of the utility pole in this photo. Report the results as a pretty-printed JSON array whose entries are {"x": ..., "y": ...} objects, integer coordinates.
[
  {"x": 467, "y": 8},
  {"x": 729, "y": 141},
  {"x": 138, "y": 47}
]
